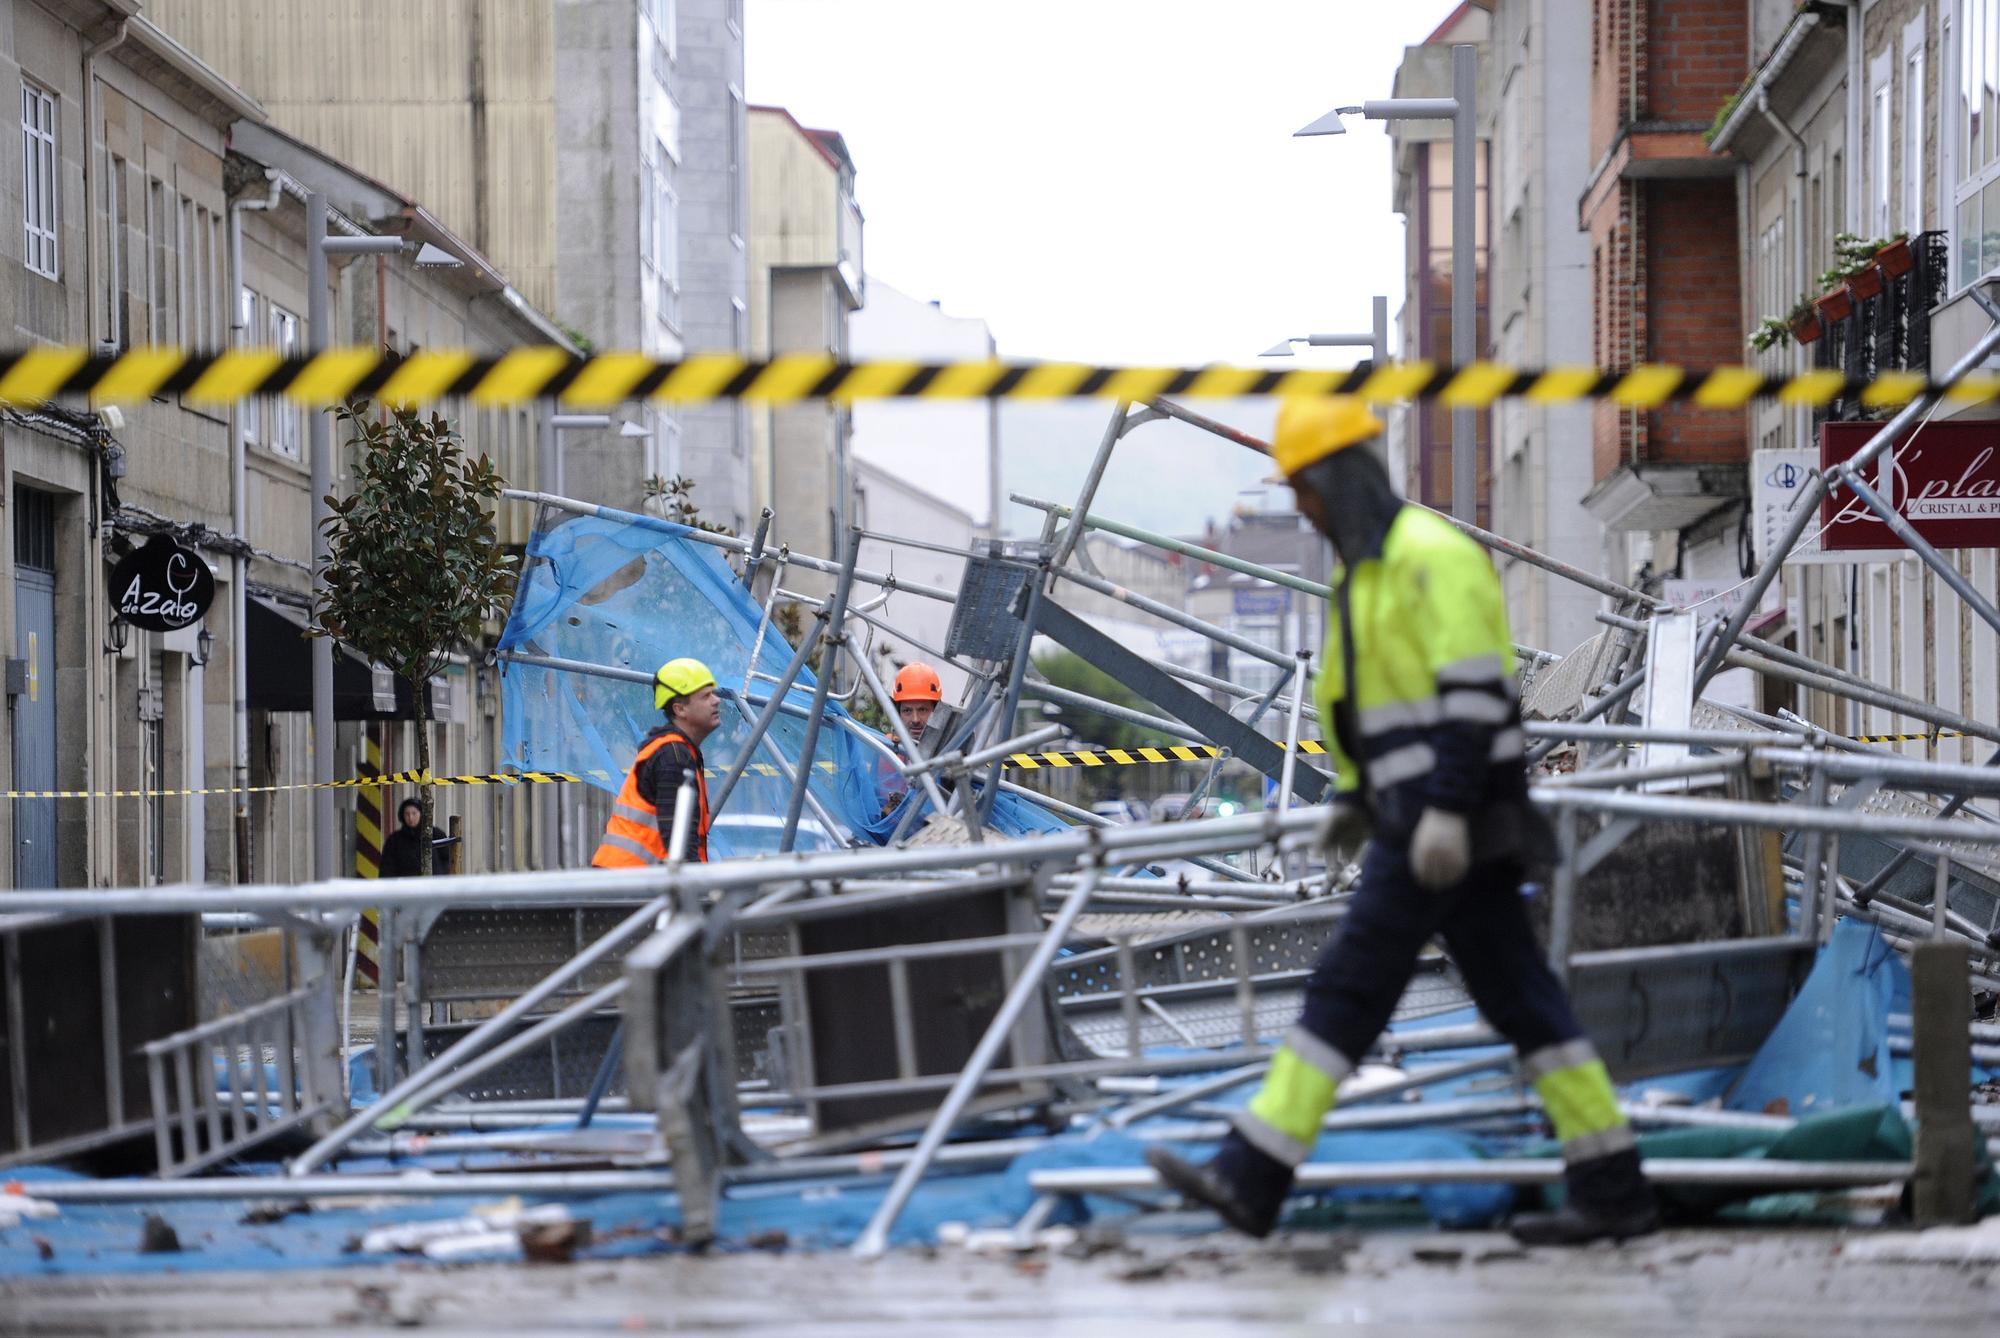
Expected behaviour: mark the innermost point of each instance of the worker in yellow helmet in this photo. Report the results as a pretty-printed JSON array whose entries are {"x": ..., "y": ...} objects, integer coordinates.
[
  {"x": 1417, "y": 696},
  {"x": 642, "y": 819}
]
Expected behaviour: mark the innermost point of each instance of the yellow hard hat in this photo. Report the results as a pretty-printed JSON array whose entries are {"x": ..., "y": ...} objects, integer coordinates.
[
  {"x": 677, "y": 678},
  {"x": 1312, "y": 429}
]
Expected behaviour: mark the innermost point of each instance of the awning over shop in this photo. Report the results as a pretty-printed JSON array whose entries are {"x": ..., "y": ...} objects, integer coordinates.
[{"x": 280, "y": 671}]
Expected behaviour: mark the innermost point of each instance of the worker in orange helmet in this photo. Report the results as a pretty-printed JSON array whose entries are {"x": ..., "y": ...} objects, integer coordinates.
[{"x": 916, "y": 694}]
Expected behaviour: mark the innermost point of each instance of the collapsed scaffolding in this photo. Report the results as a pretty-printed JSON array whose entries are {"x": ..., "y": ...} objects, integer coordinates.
[{"x": 904, "y": 963}]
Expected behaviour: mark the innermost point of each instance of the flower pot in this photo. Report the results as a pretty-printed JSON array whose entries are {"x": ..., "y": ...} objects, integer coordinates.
[
  {"x": 1896, "y": 259},
  {"x": 1865, "y": 283},
  {"x": 1835, "y": 306},
  {"x": 1806, "y": 329}
]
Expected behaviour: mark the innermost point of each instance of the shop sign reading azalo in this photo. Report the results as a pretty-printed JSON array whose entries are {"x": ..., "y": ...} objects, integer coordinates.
[
  {"x": 162, "y": 587},
  {"x": 1944, "y": 478}
]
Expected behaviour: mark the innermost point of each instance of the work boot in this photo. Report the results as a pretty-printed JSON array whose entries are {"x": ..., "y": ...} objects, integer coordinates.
[
  {"x": 1245, "y": 1187},
  {"x": 1609, "y": 1199}
]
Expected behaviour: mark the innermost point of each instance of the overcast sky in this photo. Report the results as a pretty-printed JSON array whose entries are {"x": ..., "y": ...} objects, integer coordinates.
[{"x": 1111, "y": 181}]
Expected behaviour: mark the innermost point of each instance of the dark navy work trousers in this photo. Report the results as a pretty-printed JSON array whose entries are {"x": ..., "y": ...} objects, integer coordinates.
[{"x": 1361, "y": 975}]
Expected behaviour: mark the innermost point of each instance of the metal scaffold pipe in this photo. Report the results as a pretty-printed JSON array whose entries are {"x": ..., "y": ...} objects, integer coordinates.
[
  {"x": 1806, "y": 506},
  {"x": 654, "y": 882}
]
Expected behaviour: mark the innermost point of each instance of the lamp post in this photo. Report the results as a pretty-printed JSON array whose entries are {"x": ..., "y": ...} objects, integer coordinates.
[
  {"x": 1375, "y": 340},
  {"x": 1461, "y": 109},
  {"x": 319, "y": 320},
  {"x": 559, "y": 824}
]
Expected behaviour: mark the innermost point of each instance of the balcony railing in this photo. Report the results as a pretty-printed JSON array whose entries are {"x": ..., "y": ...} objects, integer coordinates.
[{"x": 1890, "y": 331}]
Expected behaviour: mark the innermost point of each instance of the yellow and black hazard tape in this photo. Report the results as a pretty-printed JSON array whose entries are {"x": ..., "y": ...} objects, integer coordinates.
[
  {"x": 1909, "y": 738},
  {"x": 38, "y": 375},
  {"x": 356, "y": 782},
  {"x": 1132, "y": 757},
  {"x": 1091, "y": 757}
]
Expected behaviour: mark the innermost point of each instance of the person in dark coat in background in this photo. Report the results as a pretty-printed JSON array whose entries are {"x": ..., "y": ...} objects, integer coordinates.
[{"x": 403, "y": 852}]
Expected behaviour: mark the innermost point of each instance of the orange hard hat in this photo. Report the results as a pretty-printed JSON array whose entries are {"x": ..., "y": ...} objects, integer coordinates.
[{"x": 918, "y": 683}]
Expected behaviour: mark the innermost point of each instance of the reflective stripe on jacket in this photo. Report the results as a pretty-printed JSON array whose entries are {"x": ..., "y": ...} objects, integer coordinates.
[
  {"x": 632, "y": 834},
  {"x": 1422, "y": 629}
]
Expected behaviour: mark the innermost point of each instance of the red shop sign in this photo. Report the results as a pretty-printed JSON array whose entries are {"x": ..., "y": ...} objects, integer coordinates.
[{"x": 1944, "y": 478}]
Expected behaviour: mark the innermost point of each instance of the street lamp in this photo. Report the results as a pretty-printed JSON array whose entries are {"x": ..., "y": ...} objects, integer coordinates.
[
  {"x": 319, "y": 321},
  {"x": 1376, "y": 341},
  {"x": 1461, "y": 109}
]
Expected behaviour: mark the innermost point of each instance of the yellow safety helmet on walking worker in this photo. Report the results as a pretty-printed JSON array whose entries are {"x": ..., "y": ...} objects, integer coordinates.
[
  {"x": 678, "y": 678},
  {"x": 1310, "y": 429}
]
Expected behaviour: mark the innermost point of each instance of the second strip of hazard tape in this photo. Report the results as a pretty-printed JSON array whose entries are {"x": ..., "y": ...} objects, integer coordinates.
[
  {"x": 35, "y": 376},
  {"x": 1132, "y": 757}
]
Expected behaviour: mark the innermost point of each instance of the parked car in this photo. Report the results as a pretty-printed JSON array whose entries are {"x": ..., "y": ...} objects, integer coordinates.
[
  {"x": 746, "y": 834},
  {"x": 1120, "y": 810},
  {"x": 1168, "y": 807}
]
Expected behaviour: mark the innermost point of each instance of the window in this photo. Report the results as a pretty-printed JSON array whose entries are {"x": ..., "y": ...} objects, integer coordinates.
[
  {"x": 252, "y": 411},
  {"x": 1881, "y": 159},
  {"x": 159, "y": 263},
  {"x": 647, "y": 171},
  {"x": 1975, "y": 141},
  {"x": 1914, "y": 115},
  {"x": 665, "y": 17},
  {"x": 218, "y": 279},
  {"x": 187, "y": 275},
  {"x": 39, "y": 183},
  {"x": 666, "y": 217},
  {"x": 286, "y": 419},
  {"x": 735, "y": 16},
  {"x": 737, "y": 163},
  {"x": 1772, "y": 283},
  {"x": 116, "y": 218}
]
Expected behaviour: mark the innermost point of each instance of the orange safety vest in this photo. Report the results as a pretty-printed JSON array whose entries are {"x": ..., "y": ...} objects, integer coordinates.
[{"x": 632, "y": 837}]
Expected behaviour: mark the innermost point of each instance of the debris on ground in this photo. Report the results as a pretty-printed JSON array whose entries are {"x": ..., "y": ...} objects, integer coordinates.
[
  {"x": 158, "y": 1236},
  {"x": 1976, "y": 1244},
  {"x": 553, "y": 1242}
]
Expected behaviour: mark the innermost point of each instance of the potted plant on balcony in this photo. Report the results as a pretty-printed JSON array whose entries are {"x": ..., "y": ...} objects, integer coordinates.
[
  {"x": 1895, "y": 258},
  {"x": 1865, "y": 282},
  {"x": 1770, "y": 332},
  {"x": 1834, "y": 305},
  {"x": 1804, "y": 322}
]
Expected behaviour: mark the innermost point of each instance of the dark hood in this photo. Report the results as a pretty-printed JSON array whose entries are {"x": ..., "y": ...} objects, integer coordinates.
[{"x": 1358, "y": 501}]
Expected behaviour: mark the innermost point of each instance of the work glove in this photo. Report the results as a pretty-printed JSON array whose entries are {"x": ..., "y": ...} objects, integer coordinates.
[
  {"x": 1440, "y": 849},
  {"x": 1345, "y": 826}
]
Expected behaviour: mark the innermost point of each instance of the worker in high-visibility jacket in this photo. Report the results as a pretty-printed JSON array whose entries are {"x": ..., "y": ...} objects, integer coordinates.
[
  {"x": 1417, "y": 697},
  {"x": 642, "y": 820}
]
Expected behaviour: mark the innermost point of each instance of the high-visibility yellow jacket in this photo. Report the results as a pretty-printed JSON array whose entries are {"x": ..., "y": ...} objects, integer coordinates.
[{"x": 1433, "y": 717}]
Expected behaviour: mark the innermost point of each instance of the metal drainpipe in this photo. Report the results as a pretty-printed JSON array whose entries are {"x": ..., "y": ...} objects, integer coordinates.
[
  {"x": 103, "y": 756},
  {"x": 239, "y": 566}
]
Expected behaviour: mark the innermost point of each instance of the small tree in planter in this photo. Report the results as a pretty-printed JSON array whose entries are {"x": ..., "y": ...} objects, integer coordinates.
[{"x": 416, "y": 568}]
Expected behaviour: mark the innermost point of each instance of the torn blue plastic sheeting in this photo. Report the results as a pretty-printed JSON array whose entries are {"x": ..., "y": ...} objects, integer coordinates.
[
  {"x": 1831, "y": 1048},
  {"x": 632, "y": 597}
]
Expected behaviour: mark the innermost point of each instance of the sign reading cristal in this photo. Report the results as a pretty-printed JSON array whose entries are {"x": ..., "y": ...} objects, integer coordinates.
[
  {"x": 162, "y": 587},
  {"x": 1944, "y": 478}
]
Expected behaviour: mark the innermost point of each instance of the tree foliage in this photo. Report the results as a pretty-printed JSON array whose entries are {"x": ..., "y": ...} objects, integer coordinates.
[
  {"x": 673, "y": 499},
  {"x": 1066, "y": 669},
  {"x": 415, "y": 568}
]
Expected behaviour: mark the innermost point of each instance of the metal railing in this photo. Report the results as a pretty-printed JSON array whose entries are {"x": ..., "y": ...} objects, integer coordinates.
[{"x": 226, "y": 1086}]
